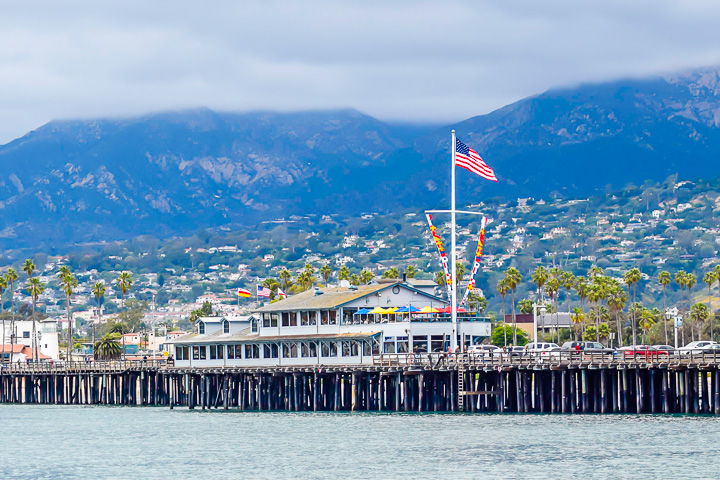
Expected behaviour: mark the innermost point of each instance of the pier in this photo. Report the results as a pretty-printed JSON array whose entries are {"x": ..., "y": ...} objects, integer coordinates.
[{"x": 398, "y": 383}]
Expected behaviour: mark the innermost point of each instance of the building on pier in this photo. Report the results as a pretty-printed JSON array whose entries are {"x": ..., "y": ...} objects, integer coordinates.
[
  {"x": 22, "y": 335},
  {"x": 331, "y": 326}
]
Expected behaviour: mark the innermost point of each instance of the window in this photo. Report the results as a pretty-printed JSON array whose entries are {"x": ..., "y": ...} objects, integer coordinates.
[
  {"x": 389, "y": 345},
  {"x": 308, "y": 349},
  {"x": 265, "y": 320},
  {"x": 231, "y": 352},
  {"x": 201, "y": 328},
  {"x": 419, "y": 343},
  {"x": 289, "y": 319},
  {"x": 252, "y": 350},
  {"x": 333, "y": 317},
  {"x": 253, "y": 324},
  {"x": 308, "y": 318},
  {"x": 324, "y": 317},
  {"x": 270, "y": 350},
  {"x": 402, "y": 344},
  {"x": 367, "y": 348},
  {"x": 216, "y": 352},
  {"x": 26, "y": 334},
  {"x": 355, "y": 348},
  {"x": 182, "y": 353},
  {"x": 226, "y": 326},
  {"x": 347, "y": 315},
  {"x": 273, "y": 319},
  {"x": 346, "y": 349},
  {"x": 437, "y": 343},
  {"x": 196, "y": 352},
  {"x": 203, "y": 352},
  {"x": 290, "y": 350},
  {"x": 328, "y": 349}
]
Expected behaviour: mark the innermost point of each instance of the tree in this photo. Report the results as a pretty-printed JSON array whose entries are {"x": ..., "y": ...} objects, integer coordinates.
[
  {"x": 578, "y": 317},
  {"x": 99, "y": 291},
  {"x": 591, "y": 333},
  {"x": 709, "y": 279},
  {"x": 699, "y": 313},
  {"x": 567, "y": 280},
  {"x": 680, "y": 278},
  {"x": 125, "y": 282},
  {"x": 551, "y": 288},
  {"x": 502, "y": 289},
  {"x": 476, "y": 302},
  {"x": 632, "y": 277},
  {"x": 594, "y": 271},
  {"x": 286, "y": 279},
  {"x": 525, "y": 306},
  {"x": 410, "y": 271},
  {"x": 3, "y": 286},
  {"x": 326, "y": 272},
  {"x": 107, "y": 348},
  {"x": 690, "y": 281},
  {"x": 513, "y": 280},
  {"x": 499, "y": 335},
  {"x": 391, "y": 272},
  {"x": 204, "y": 311},
  {"x": 604, "y": 332},
  {"x": 459, "y": 272},
  {"x": 11, "y": 277},
  {"x": 67, "y": 283},
  {"x": 344, "y": 273},
  {"x": 272, "y": 285},
  {"x": 29, "y": 267},
  {"x": 440, "y": 278},
  {"x": 647, "y": 320},
  {"x": 34, "y": 289},
  {"x": 310, "y": 275},
  {"x": 616, "y": 301},
  {"x": 664, "y": 279},
  {"x": 366, "y": 276},
  {"x": 540, "y": 276},
  {"x": 354, "y": 279}
]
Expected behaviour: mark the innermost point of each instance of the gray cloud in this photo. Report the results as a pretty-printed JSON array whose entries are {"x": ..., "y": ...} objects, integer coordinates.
[{"x": 403, "y": 60}]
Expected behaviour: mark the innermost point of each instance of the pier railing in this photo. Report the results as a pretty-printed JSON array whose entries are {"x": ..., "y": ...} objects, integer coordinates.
[
  {"x": 95, "y": 366},
  {"x": 594, "y": 359}
]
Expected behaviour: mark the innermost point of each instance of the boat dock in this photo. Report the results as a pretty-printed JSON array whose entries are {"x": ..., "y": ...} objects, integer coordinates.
[{"x": 398, "y": 382}]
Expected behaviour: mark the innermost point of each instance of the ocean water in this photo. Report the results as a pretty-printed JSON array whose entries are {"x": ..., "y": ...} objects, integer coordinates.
[{"x": 61, "y": 442}]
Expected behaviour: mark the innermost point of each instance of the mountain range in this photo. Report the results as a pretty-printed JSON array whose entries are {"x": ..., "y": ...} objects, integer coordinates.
[{"x": 175, "y": 172}]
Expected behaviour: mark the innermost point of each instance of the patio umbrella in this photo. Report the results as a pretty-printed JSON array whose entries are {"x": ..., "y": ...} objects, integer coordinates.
[
  {"x": 428, "y": 309},
  {"x": 407, "y": 309},
  {"x": 377, "y": 310},
  {"x": 362, "y": 311}
]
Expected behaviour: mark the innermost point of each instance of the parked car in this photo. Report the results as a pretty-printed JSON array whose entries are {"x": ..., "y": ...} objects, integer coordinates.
[
  {"x": 642, "y": 351},
  {"x": 694, "y": 347},
  {"x": 713, "y": 348},
  {"x": 665, "y": 348},
  {"x": 517, "y": 351},
  {"x": 586, "y": 347},
  {"x": 485, "y": 351},
  {"x": 535, "y": 348}
]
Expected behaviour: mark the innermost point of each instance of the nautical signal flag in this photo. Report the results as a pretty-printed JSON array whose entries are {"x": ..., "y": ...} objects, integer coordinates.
[
  {"x": 244, "y": 293},
  {"x": 469, "y": 159},
  {"x": 281, "y": 293},
  {"x": 263, "y": 291}
]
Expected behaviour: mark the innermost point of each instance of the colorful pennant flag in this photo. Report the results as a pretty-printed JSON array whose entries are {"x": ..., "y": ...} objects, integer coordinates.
[
  {"x": 476, "y": 262},
  {"x": 443, "y": 255},
  {"x": 244, "y": 293}
]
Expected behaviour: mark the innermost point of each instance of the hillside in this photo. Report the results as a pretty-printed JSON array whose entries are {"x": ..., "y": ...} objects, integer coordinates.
[{"x": 173, "y": 173}]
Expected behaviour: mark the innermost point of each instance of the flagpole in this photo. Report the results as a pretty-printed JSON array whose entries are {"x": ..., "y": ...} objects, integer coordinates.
[{"x": 453, "y": 256}]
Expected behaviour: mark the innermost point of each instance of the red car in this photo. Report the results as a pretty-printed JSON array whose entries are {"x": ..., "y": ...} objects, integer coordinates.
[{"x": 639, "y": 351}]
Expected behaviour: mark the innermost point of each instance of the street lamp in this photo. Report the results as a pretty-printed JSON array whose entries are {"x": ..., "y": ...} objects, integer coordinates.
[
  {"x": 543, "y": 310},
  {"x": 672, "y": 313}
]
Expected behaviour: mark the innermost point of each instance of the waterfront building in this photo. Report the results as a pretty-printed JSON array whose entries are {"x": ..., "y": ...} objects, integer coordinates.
[
  {"x": 47, "y": 332},
  {"x": 330, "y": 326}
]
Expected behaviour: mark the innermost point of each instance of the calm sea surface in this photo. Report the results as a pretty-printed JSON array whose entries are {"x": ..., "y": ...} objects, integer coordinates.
[{"x": 57, "y": 442}]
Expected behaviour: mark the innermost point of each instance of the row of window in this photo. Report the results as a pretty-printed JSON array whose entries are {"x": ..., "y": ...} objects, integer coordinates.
[
  {"x": 302, "y": 318},
  {"x": 344, "y": 348}
]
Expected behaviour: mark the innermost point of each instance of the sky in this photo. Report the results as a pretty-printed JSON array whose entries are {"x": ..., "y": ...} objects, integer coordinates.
[{"x": 401, "y": 61}]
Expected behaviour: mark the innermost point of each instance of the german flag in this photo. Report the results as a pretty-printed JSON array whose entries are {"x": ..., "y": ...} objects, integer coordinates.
[{"x": 244, "y": 293}]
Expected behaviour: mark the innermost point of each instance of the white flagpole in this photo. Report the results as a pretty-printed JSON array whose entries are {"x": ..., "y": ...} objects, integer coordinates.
[{"x": 453, "y": 255}]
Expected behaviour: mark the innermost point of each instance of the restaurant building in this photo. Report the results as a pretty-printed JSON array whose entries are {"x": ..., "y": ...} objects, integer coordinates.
[{"x": 330, "y": 326}]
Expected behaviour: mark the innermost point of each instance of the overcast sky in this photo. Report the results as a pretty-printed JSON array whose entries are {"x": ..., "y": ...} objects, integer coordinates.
[{"x": 440, "y": 61}]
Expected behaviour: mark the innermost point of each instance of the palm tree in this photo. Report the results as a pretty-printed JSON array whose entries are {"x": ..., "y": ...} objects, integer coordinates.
[
  {"x": 709, "y": 279},
  {"x": 594, "y": 271},
  {"x": 502, "y": 289},
  {"x": 68, "y": 282},
  {"x": 108, "y": 347},
  {"x": 647, "y": 320},
  {"x": 366, "y": 276},
  {"x": 125, "y": 282},
  {"x": 460, "y": 272},
  {"x": 552, "y": 287},
  {"x": 578, "y": 317},
  {"x": 513, "y": 277},
  {"x": 35, "y": 288},
  {"x": 3, "y": 286},
  {"x": 344, "y": 273},
  {"x": 354, "y": 279},
  {"x": 594, "y": 296},
  {"x": 11, "y": 277},
  {"x": 391, "y": 272},
  {"x": 310, "y": 270},
  {"x": 99, "y": 291},
  {"x": 286, "y": 279},
  {"x": 410, "y": 271},
  {"x": 698, "y": 314},
  {"x": 326, "y": 272},
  {"x": 616, "y": 301},
  {"x": 581, "y": 287},
  {"x": 604, "y": 331},
  {"x": 567, "y": 280},
  {"x": 477, "y": 302},
  {"x": 664, "y": 279},
  {"x": 690, "y": 281},
  {"x": 304, "y": 280},
  {"x": 680, "y": 279},
  {"x": 539, "y": 276},
  {"x": 29, "y": 267},
  {"x": 440, "y": 278},
  {"x": 632, "y": 277}
]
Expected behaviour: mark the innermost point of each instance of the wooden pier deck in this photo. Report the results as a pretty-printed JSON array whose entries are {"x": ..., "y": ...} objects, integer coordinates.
[{"x": 574, "y": 383}]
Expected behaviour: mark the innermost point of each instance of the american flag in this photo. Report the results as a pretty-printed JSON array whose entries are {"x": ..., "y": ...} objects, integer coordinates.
[
  {"x": 263, "y": 291},
  {"x": 469, "y": 159}
]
